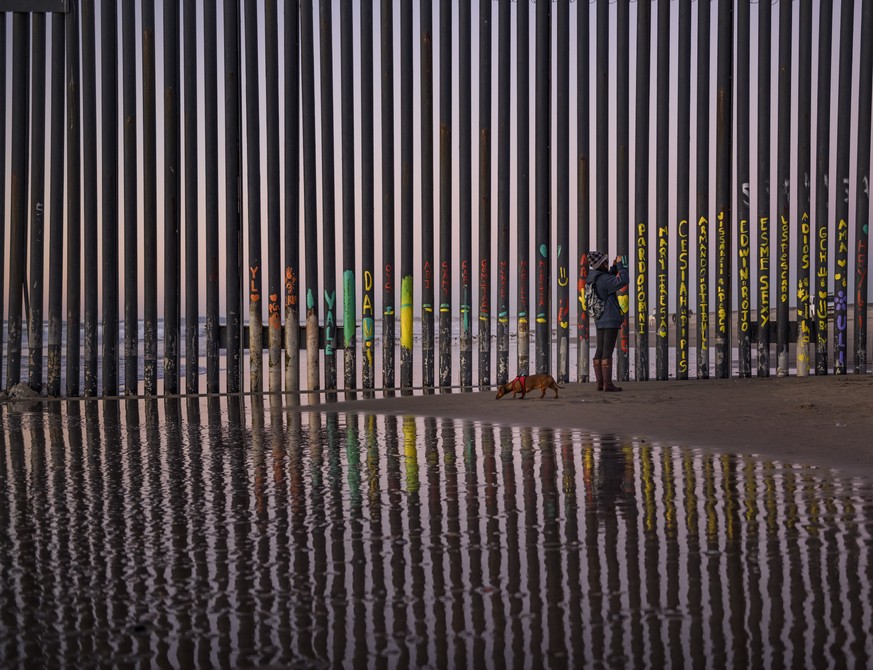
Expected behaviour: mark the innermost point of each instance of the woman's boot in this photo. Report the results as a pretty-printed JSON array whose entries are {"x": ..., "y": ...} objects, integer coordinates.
[
  {"x": 606, "y": 370},
  {"x": 598, "y": 374}
]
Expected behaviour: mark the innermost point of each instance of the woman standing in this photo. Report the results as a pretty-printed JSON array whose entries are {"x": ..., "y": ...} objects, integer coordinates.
[{"x": 606, "y": 283}]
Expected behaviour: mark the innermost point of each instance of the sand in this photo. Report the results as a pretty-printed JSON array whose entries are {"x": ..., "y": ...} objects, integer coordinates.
[{"x": 822, "y": 421}]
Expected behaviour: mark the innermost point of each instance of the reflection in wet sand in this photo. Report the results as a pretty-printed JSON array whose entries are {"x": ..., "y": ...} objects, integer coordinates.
[{"x": 235, "y": 531}]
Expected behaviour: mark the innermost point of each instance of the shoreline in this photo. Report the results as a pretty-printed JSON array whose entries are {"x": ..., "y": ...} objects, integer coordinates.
[{"x": 816, "y": 421}]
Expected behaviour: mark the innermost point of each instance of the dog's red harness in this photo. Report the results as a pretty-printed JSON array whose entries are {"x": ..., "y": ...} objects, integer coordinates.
[{"x": 521, "y": 379}]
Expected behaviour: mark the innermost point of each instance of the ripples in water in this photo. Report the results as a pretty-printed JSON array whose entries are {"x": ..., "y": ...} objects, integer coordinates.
[{"x": 209, "y": 533}]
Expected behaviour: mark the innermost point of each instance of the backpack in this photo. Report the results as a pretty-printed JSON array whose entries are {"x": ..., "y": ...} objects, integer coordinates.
[{"x": 594, "y": 304}]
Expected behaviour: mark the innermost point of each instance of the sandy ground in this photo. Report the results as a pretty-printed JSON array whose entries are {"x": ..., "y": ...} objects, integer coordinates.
[{"x": 812, "y": 421}]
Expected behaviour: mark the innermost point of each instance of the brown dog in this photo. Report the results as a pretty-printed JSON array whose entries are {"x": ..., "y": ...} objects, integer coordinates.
[{"x": 524, "y": 383}]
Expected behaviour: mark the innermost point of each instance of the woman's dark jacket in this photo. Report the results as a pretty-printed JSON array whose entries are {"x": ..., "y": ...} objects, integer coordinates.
[{"x": 607, "y": 285}]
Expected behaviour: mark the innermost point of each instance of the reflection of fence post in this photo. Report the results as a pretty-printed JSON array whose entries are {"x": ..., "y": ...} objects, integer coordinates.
[
  {"x": 523, "y": 189},
  {"x": 350, "y": 317},
  {"x": 543, "y": 188},
  {"x": 723, "y": 133},
  {"x": 702, "y": 228},
  {"x": 37, "y": 200},
  {"x": 662, "y": 150},
  {"x": 446, "y": 256},
  {"x": 862, "y": 209},
  {"x": 641, "y": 186},
  {"x": 56, "y": 205},
  {"x": 744, "y": 333},
  {"x": 822, "y": 160},
  {"x": 804, "y": 238},
  {"x": 563, "y": 190},
  {"x": 503, "y": 174},
  {"x": 841, "y": 250}
]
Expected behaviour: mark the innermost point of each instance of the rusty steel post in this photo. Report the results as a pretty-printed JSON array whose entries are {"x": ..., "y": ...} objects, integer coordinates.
[
  {"x": 641, "y": 186},
  {"x": 427, "y": 189},
  {"x": 683, "y": 150},
  {"x": 723, "y": 154},
  {"x": 56, "y": 206},
  {"x": 274, "y": 241},
  {"x": 368, "y": 267},
  {"x": 543, "y": 250},
  {"x": 822, "y": 188},
  {"x": 622, "y": 188},
  {"x": 484, "y": 266},
  {"x": 762, "y": 159},
  {"x": 17, "y": 194},
  {"x": 503, "y": 190},
  {"x": 292, "y": 197},
  {"x": 254, "y": 271},
  {"x": 109, "y": 207},
  {"x": 583, "y": 215},
  {"x": 446, "y": 255},
  {"x": 172, "y": 205},
  {"x": 233, "y": 189},
  {"x": 783, "y": 179},
  {"x": 210, "y": 108},
  {"x": 523, "y": 186},
  {"x": 328, "y": 192},
  {"x": 841, "y": 246},
  {"x": 192, "y": 237},
  {"x": 562, "y": 174},
  {"x": 662, "y": 177},
  {"x": 388, "y": 218},
  {"x": 804, "y": 239},
  {"x": 744, "y": 330},
  {"x": 702, "y": 227},
  {"x": 37, "y": 202},
  {"x": 862, "y": 208},
  {"x": 465, "y": 205},
  {"x": 350, "y": 315},
  {"x": 407, "y": 224}
]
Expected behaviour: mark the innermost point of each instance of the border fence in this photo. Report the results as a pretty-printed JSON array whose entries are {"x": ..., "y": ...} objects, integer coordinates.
[{"x": 94, "y": 239}]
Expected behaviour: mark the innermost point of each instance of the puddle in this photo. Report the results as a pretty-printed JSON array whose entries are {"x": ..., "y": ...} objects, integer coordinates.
[{"x": 206, "y": 532}]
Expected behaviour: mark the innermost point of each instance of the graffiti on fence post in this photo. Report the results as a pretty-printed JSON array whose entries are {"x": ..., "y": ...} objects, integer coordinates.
[
  {"x": 703, "y": 298},
  {"x": 745, "y": 306}
]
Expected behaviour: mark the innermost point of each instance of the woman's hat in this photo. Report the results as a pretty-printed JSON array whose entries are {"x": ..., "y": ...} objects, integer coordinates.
[{"x": 595, "y": 258}]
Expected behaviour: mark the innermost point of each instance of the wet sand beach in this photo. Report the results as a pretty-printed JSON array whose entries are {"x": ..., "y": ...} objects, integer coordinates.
[{"x": 824, "y": 421}]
